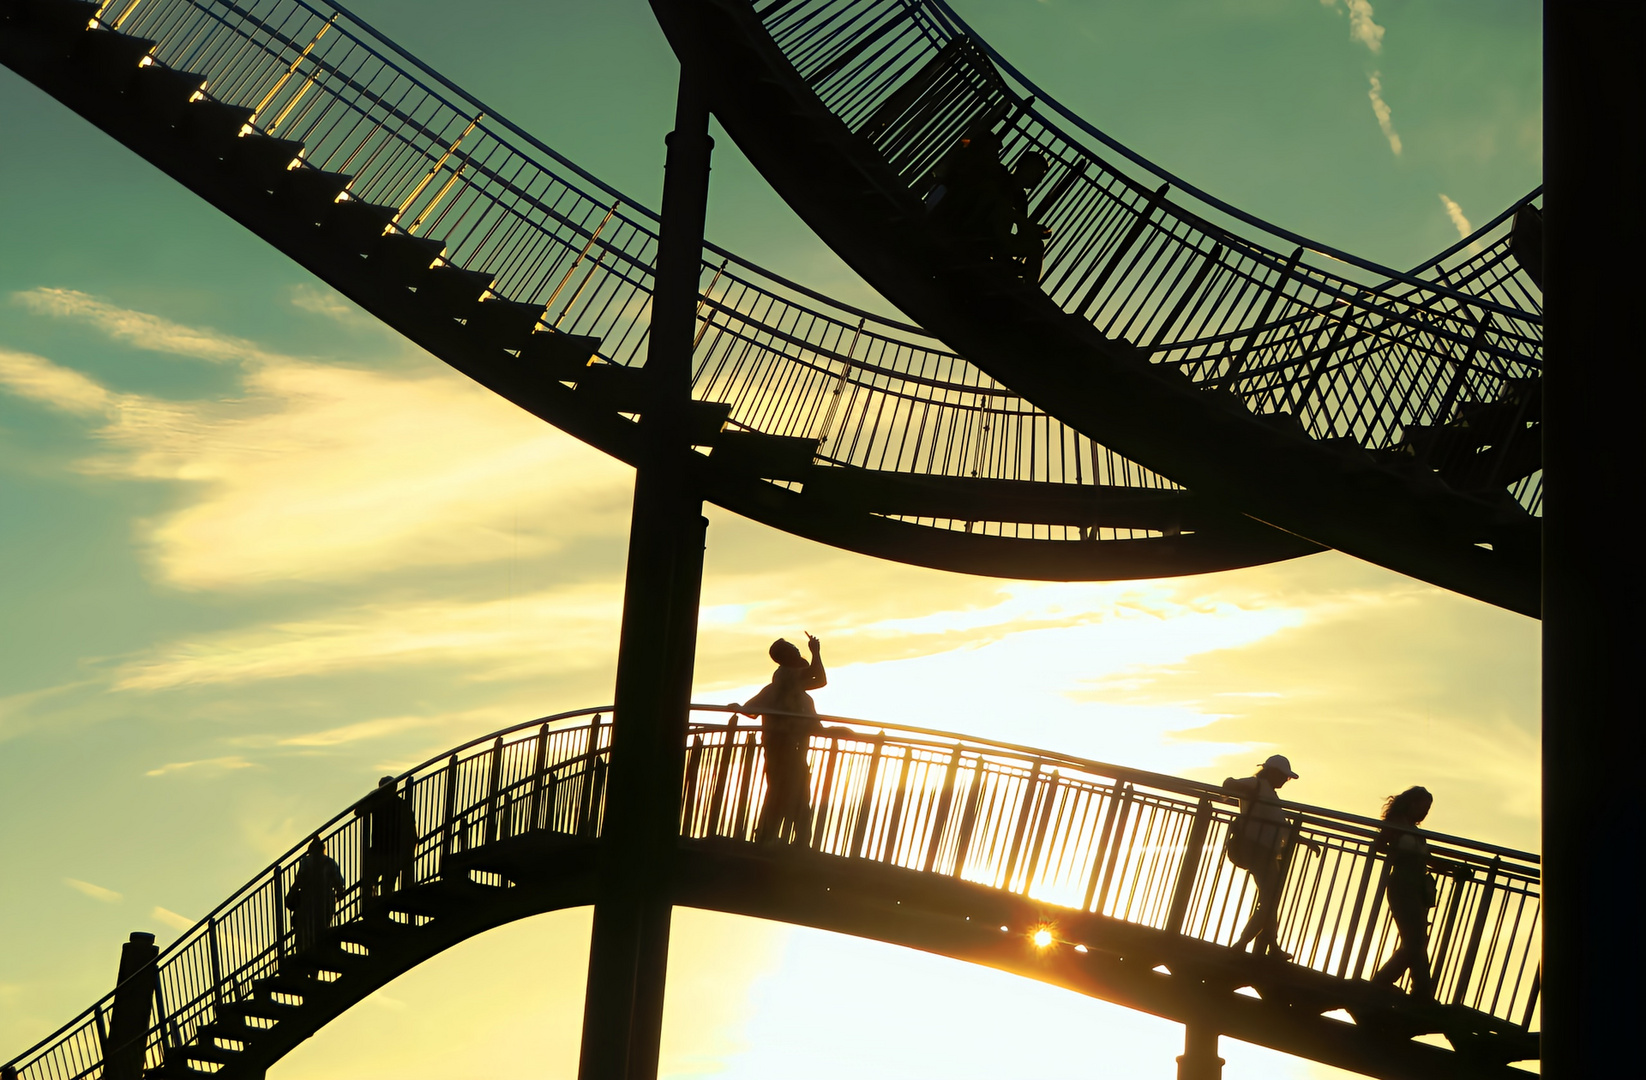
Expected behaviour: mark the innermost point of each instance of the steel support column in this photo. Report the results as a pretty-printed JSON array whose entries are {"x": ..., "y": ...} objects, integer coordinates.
[
  {"x": 1199, "y": 1060},
  {"x": 628, "y": 955},
  {"x": 1594, "y": 939}
]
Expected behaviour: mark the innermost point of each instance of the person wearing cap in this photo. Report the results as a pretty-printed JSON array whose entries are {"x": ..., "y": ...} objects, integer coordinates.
[
  {"x": 1257, "y": 844},
  {"x": 790, "y": 719}
]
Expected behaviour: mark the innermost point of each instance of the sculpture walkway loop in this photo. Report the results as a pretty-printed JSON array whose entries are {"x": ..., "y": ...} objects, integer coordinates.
[
  {"x": 1391, "y": 415},
  {"x": 522, "y": 271},
  {"x": 956, "y": 846}
]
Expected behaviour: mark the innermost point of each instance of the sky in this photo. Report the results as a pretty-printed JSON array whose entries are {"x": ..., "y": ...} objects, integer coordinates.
[{"x": 259, "y": 550}]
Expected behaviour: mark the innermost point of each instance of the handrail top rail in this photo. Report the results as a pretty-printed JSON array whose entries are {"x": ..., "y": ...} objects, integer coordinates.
[{"x": 1165, "y": 781}]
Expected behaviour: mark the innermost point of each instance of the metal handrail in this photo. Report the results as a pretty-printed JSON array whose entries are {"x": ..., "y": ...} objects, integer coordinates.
[
  {"x": 1232, "y": 312},
  {"x": 1106, "y": 839},
  {"x": 505, "y": 202}
]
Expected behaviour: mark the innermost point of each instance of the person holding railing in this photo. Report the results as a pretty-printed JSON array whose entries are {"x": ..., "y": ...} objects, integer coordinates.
[
  {"x": 790, "y": 720},
  {"x": 315, "y": 891},
  {"x": 1258, "y": 843},
  {"x": 1410, "y": 889}
]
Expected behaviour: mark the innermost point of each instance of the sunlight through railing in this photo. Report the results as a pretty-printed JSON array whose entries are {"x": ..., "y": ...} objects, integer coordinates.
[{"x": 1135, "y": 846}]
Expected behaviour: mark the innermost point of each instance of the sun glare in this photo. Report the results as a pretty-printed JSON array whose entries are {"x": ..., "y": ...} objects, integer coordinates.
[{"x": 1042, "y": 938}]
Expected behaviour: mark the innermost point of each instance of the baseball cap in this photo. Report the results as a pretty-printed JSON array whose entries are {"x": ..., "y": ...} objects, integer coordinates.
[{"x": 1279, "y": 763}]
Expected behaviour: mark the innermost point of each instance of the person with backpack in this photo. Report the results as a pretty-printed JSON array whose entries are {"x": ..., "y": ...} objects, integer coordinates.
[{"x": 1258, "y": 843}]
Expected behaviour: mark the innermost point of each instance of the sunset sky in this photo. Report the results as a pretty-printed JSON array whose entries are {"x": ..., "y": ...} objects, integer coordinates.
[{"x": 259, "y": 550}]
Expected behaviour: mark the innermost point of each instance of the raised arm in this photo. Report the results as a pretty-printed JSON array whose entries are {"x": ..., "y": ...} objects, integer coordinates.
[{"x": 816, "y": 677}]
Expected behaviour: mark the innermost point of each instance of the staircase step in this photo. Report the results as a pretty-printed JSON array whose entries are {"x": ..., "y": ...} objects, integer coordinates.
[
  {"x": 210, "y": 125},
  {"x": 708, "y": 421},
  {"x": 310, "y": 191},
  {"x": 613, "y": 386},
  {"x": 208, "y": 1052},
  {"x": 259, "y": 1006},
  {"x": 452, "y": 288},
  {"x": 109, "y": 59},
  {"x": 357, "y": 225},
  {"x": 560, "y": 356},
  {"x": 163, "y": 93},
  {"x": 64, "y": 20},
  {"x": 772, "y": 457},
  {"x": 264, "y": 159},
  {"x": 404, "y": 257},
  {"x": 377, "y": 931},
  {"x": 505, "y": 324}
]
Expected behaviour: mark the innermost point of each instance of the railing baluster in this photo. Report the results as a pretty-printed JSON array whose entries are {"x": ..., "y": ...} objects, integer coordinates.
[
  {"x": 945, "y": 801},
  {"x": 494, "y": 777},
  {"x": 1189, "y": 870},
  {"x": 448, "y": 816},
  {"x": 1031, "y": 788},
  {"x": 539, "y": 762},
  {"x": 825, "y": 797},
  {"x": 1472, "y": 950},
  {"x": 895, "y": 822},
  {"x": 860, "y": 827},
  {"x": 1046, "y": 807},
  {"x": 688, "y": 801},
  {"x": 968, "y": 820},
  {"x": 717, "y": 798}
]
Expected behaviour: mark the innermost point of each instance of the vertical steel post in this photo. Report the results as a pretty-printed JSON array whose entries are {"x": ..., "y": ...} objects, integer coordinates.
[
  {"x": 133, "y": 1006},
  {"x": 1199, "y": 1060},
  {"x": 628, "y": 955},
  {"x": 1594, "y": 940}
]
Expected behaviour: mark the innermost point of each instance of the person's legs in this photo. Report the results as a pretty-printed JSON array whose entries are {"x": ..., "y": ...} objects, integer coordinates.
[
  {"x": 775, "y": 807},
  {"x": 1263, "y": 927},
  {"x": 1412, "y": 920}
]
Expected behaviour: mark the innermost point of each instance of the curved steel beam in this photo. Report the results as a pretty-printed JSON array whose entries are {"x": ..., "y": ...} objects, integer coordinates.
[{"x": 1334, "y": 492}]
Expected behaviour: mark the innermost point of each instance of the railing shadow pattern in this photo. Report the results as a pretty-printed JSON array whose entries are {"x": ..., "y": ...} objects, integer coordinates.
[
  {"x": 1134, "y": 846},
  {"x": 1338, "y": 346}
]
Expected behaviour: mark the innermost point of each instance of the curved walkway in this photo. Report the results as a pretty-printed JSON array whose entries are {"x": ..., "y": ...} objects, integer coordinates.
[
  {"x": 493, "y": 252},
  {"x": 962, "y": 847},
  {"x": 1392, "y": 415}
]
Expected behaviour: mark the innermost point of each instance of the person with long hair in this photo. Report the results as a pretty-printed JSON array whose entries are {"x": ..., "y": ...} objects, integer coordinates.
[{"x": 1410, "y": 890}]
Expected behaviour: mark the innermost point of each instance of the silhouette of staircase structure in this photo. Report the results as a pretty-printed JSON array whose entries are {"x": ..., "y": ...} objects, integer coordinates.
[
  {"x": 526, "y": 274},
  {"x": 1019, "y": 458},
  {"x": 1301, "y": 383},
  {"x": 962, "y": 847}
]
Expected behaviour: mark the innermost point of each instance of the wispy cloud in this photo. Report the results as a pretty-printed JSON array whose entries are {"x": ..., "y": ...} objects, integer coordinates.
[
  {"x": 216, "y": 764},
  {"x": 96, "y": 892},
  {"x": 167, "y": 917},
  {"x": 141, "y": 330},
  {"x": 317, "y": 472},
  {"x": 573, "y": 626},
  {"x": 1459, "y": 221},
  {"x": 1362, "y": 26},
  {"x": 1385, "y": 116},
  {"x": 321, "y": 301},
  {"x": 37, "y": 379}
]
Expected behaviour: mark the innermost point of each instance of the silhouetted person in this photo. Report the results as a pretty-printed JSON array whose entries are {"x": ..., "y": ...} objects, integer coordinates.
[
  {"x": 790, "y": 720},
  {"x": 388, "y": 840},
  {"x": 315, "y": 892},
  {"x": 1410, "y": 890},
  {"x": 976, "y": 197},
  {"x": 1258, "y": 841}
]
